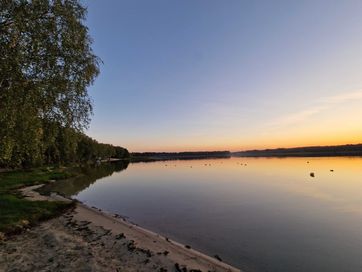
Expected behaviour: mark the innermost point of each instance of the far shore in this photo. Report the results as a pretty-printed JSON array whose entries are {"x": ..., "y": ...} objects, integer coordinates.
[
  {"x": 89, "y": 238},
  {"x": 350, "y": 150}
]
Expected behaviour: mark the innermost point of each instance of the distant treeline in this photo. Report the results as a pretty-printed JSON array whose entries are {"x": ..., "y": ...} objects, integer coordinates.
[
  {"x": 149, "y": 156},
  {"x": 313, "y": 151}
]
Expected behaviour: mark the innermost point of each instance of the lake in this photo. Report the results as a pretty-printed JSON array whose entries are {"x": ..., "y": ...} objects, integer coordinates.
[{"x": 258, "y": 214}]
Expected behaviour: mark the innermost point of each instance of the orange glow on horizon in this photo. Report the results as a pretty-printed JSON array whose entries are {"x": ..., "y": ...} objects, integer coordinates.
[
  {"x": 335, "y": 127},
  {"x": 241, "y": 147}
]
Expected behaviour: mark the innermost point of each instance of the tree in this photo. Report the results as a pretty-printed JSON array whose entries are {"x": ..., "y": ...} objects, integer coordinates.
[{"x": 46, "y": 65}]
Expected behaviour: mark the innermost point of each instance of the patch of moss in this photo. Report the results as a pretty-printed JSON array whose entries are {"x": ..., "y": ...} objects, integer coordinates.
[
  {"x": 17, "y": 179},
  {"x": 17, "y": 212}
]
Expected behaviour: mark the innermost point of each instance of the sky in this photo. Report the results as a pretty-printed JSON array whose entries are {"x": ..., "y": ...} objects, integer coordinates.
[{"x": 226, "y": 75}]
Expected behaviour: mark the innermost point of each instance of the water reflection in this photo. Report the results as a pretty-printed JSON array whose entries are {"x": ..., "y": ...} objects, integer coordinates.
[
  {"x": 90, "y": 174},
  {"x": 259, "y": 214}
]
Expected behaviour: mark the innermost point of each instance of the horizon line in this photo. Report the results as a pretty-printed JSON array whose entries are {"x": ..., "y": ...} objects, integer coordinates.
[{"x": 245, "y": 150}]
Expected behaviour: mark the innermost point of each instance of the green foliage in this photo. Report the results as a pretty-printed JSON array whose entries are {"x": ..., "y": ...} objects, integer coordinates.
[
  {"x": 47, "y": 62},
  {"x": 14, "y": 209},
  {"x": 10, "y": 181},
  {"x": 46, "y": 66},
  {"x": 89, "y": 149},
  {"x": 121, "y": 152}
]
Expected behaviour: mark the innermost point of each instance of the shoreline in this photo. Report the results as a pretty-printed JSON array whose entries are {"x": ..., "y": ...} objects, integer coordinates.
[
  {"x": 166, "y": 254},
  {"x": 155, "y": 242}
]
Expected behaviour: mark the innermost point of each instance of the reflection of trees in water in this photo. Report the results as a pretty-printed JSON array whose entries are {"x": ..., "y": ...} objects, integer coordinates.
[{"x": 90, "y": 174}]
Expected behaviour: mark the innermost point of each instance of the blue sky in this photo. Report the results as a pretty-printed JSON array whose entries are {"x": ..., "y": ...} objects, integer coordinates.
[{"x": 204, "y": 75}]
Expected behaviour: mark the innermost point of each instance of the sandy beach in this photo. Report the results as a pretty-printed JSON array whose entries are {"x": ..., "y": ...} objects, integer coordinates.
[{"x": 87, "y": 239}]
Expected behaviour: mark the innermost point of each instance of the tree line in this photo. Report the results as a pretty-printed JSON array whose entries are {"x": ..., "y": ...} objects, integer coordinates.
[
  {"x": 154, "y": 156},
  {"x": 46, "y": 66},
  {"x": 335, "y": 150}
]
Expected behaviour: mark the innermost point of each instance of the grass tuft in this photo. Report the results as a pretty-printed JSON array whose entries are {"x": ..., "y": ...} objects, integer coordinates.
[{"x": 17, "y": 212}]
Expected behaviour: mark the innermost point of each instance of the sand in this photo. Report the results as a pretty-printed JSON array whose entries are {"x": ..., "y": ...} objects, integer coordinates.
[{"x": 87, "y": 239}]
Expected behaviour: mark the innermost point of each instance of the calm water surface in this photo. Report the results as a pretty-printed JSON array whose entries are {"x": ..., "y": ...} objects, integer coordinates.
[{"x": 267, "y": 215}]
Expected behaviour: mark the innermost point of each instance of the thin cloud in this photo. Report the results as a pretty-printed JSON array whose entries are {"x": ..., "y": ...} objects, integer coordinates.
[
  {"x": 325, "y": 104},
  {"x": 337, "y": 99}
]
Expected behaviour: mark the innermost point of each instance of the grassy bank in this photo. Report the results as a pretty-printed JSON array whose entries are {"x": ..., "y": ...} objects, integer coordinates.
[{"x": 17, "y": 212}]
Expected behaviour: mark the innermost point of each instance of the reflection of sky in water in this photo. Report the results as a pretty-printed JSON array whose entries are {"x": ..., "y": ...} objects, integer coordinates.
[{"x": 267, "y": 216}]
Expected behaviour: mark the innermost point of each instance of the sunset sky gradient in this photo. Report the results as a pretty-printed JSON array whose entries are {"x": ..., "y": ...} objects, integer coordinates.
[{"x": 226, "y": 75}]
